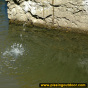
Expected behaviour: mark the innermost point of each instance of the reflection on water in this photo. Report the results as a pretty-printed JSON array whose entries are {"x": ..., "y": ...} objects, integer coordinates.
[{"x": 3, "y": 16}]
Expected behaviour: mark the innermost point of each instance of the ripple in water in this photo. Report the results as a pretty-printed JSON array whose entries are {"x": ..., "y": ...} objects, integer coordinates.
[{"x": 15, "y": 50}]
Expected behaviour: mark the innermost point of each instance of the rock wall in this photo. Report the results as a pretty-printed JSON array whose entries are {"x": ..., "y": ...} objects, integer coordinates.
[{"x": 60, "y": 13}]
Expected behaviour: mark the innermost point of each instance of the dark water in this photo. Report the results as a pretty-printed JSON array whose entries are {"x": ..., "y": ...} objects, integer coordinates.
[
  {"x": 40, "y": 56},
  {"x": 3, "y": 16}
]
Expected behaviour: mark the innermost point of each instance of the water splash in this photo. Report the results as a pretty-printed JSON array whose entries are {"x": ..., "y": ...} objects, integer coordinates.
[
  {"x": 15, "y": 50},
  {"x": 83, "y": 64},
  {"x": 10, "y": 57},
  {"x": 24, "y": 26},
  {"x": 21, "y": 37}
]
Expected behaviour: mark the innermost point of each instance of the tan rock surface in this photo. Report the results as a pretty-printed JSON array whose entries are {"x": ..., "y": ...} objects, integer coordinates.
[{"x": 69, "y": 13}]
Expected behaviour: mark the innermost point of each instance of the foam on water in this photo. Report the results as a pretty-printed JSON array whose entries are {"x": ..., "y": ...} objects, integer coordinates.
[{"x": 15, "y": 50}]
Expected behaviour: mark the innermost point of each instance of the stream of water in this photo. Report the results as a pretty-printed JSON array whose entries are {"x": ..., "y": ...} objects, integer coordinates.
[{"x": 28, "y": 58}]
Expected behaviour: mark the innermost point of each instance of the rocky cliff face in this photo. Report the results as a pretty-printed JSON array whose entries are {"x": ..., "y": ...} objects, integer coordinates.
[{"x": 60, "y": 13}]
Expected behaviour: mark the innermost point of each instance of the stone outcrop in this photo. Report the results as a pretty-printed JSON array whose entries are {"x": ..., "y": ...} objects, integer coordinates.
[{"x": 60, "y": 13}]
